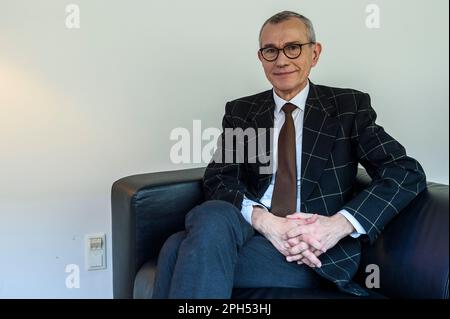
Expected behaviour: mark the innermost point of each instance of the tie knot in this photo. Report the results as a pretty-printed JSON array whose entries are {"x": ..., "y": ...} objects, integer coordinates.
[{"x": 288, "y": 108}]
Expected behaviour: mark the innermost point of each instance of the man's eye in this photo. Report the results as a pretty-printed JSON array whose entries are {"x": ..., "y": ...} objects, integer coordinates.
[
  {"x": 269, "y": 50},
  {"x": 292, "y": 48}
]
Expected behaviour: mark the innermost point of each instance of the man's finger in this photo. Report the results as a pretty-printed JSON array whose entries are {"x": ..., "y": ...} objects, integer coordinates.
[
  {"x": 293, "y": 241},
  {"x": 312, "y": 258},
  {"x": 299, "y": 215},
  {"x": 296, "y": 231},
  {"x": 298, "y": 249},
  {"x": 291, "y": 258},
  {"x": 302, "y": 220},
  {"x": 308, "y": 263},
  {"x": 310, "y": 240},
  {"x": 318, "y": 252}
]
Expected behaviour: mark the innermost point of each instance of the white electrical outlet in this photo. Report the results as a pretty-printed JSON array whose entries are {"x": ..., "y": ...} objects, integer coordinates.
[{"x": 95, "y": 251}]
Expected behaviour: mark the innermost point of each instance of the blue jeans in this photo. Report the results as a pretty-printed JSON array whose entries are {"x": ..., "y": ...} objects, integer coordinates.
[{"x": 218, "y": 251}]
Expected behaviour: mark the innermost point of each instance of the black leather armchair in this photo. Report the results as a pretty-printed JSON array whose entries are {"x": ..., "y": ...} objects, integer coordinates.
[{"x": 412, "y": 253}]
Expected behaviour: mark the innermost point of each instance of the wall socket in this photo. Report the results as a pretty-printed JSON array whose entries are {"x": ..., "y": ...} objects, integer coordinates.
[{"x": 95, "y": 251}]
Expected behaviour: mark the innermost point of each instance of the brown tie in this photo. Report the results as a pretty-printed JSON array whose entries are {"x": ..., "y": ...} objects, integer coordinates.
[{"x": 284, "y": 197}]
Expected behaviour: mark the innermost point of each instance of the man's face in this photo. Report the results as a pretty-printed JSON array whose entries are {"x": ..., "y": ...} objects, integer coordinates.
[{"x": 288, "y": 76}]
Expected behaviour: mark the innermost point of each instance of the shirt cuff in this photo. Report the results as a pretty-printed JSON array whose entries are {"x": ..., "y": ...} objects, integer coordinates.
[
  {"x": 359, "y": 229},
  {"x": 247, "y": 209}
]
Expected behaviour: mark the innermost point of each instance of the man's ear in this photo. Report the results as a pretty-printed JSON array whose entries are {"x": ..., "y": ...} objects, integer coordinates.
[
  {"x": 316, "y": 54},
  {"x": 259, "y": 55}
]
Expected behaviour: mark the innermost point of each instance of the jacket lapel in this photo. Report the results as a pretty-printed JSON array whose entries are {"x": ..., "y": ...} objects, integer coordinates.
[
  {"x": 319, "y": 133},
  {"x": 262, "y": 113},
  {"x": 262, "y": 116}
]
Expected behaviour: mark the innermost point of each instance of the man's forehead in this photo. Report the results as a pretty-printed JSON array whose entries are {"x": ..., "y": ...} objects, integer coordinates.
[{"x": 292, "y": 30}]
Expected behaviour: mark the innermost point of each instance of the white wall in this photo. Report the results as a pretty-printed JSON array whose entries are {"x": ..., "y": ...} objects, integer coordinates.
[{"x": 81, "y": 108}]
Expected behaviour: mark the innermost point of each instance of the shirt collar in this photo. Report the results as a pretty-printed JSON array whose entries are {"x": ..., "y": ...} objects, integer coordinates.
[{"x": 299, "y": 100}]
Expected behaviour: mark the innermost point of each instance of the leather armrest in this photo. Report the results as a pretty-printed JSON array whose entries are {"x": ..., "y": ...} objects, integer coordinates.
[
  {"x": 146, "y": 209},
  {"x": 412, "y": 251}
]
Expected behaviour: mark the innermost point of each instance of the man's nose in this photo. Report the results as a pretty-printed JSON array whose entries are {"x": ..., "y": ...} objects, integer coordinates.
[{"x": 282, "y": 60}]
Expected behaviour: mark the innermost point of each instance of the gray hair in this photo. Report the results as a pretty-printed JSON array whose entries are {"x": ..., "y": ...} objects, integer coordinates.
[{"x": 286, "y": 15}]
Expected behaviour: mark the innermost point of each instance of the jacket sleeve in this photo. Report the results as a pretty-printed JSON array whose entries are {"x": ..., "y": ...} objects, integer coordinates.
[
  {"x": 396, "y": 178},
  {"x": 224, "y": 178}
]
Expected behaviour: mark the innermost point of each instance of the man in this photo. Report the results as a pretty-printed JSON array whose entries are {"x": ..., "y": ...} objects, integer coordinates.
[{"x": 298, "y": 224}]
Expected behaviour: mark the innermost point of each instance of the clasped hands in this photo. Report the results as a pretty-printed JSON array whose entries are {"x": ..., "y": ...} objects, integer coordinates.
[{"x": 302, "y": 237}]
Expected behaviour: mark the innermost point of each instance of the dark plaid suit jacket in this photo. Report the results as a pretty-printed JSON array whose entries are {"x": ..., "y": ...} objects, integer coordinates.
[{"x": 339, "y": 131}]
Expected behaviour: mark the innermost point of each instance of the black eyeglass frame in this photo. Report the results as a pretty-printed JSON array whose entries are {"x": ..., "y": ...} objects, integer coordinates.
[{"x": 300, "y": 45}]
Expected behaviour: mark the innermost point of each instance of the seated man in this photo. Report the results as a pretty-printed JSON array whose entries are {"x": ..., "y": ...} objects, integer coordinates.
[{"x": 294, "y": 222}]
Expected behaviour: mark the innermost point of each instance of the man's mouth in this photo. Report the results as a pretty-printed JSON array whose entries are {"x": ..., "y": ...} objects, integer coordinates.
[{"x": 283, "y": 73}]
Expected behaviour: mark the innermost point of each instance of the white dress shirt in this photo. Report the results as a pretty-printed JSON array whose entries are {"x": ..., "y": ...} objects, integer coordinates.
[{"x": 300, "y": 101}]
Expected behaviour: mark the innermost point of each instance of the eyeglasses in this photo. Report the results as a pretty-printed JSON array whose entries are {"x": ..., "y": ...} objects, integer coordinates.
[{"x": 292, "y": 51}]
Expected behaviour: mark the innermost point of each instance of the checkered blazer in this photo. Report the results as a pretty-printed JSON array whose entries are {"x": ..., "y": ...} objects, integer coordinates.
[{"x": 339, "y": 131}]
